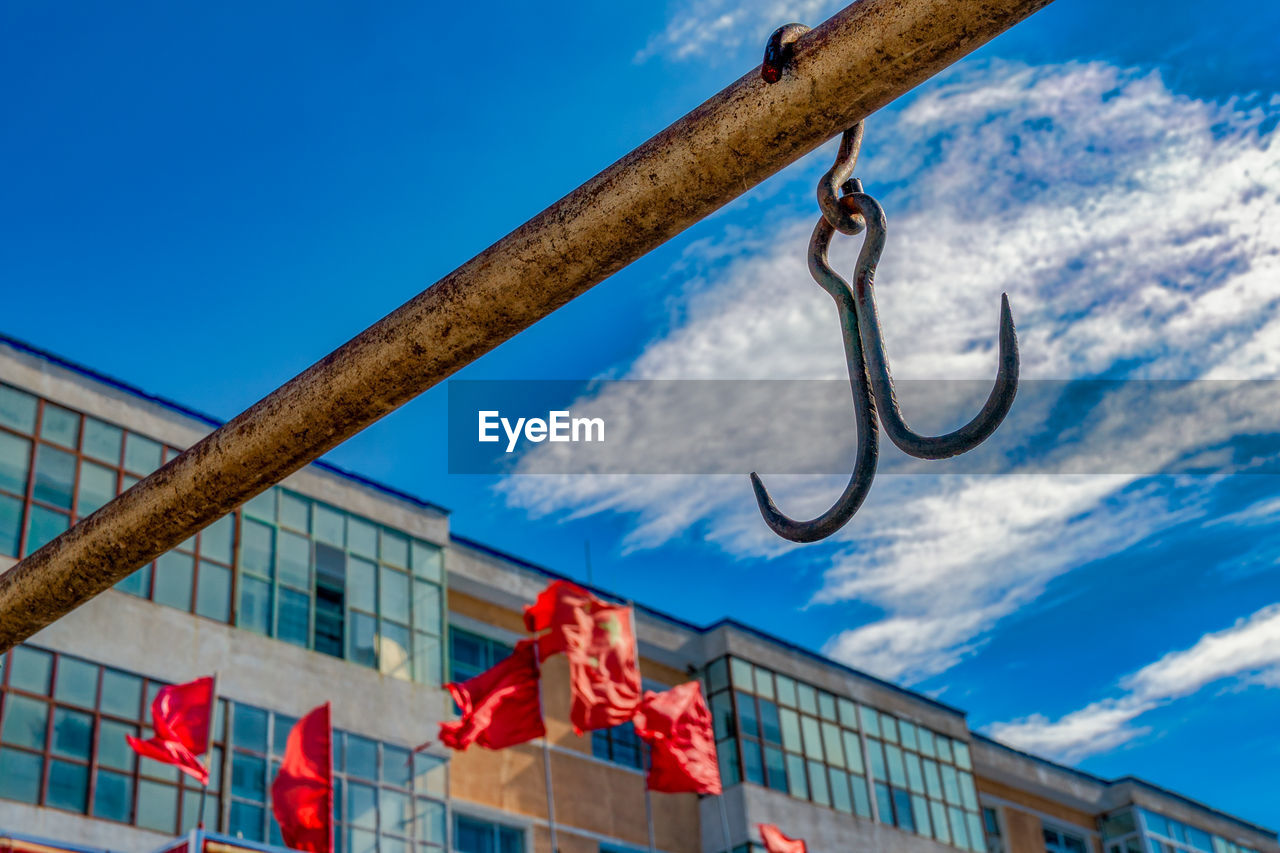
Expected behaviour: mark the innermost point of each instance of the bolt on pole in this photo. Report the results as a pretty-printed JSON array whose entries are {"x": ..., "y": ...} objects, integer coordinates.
[{"x": 856, "y": 62}]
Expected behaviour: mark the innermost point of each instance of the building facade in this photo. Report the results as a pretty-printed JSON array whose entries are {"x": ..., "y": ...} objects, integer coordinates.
[{"x": 331, "y": 588}]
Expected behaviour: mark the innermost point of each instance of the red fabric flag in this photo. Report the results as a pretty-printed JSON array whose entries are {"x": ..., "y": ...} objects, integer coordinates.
[
  {"x": 677, "y": 726},
  {"x": 500, "y": 707},
  {"x": 604, "y": 677},
  {"x": 598, "y": 639},
  {"x": 302, "y": 793},
  {"x": 182, "y": 715},
  {"x": 776, "y": 842}
]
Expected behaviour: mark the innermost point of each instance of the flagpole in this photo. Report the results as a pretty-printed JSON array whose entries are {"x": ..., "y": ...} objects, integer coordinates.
[
  {"x": 724, "y": 824},
  {"x": 213, "y": 716},
  {"x": 648, "y": 797},
  {"x": 546, "y": 757}
]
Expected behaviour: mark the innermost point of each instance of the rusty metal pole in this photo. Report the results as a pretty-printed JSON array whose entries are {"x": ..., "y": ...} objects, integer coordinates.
[{"x": 856, "y": 62}]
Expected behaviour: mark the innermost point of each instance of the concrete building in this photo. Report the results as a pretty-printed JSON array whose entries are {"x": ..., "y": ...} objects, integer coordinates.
[{"x": 332, "y": 588}]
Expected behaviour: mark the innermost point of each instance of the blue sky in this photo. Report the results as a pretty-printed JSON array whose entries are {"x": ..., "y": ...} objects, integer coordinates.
[{"x": 203, "y": 201}]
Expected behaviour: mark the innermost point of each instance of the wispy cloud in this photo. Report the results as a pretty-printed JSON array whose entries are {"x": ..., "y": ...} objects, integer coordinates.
[
  {"x": 1247, "y": 651},
  {"x": 706, "y": 29},
  {"x": 1129, "y": 225}
]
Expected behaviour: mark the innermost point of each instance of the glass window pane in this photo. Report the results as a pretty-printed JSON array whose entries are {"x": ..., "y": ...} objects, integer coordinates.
[
  {"x": 893, "y": 759},
  {"x": 15, "y": 463},
  {"x": 113, "y": 749},
  {"x": 797, "y": 778},
  {"x": 834, "y": 744},
  {"x": 248, "y": 776},
  {"x": 55, "y": 476},
  {"x": 25, "y": 722},
  {"x": 968, "y": 794},
  {"x": 961, "y": 751},
  {"x": 10, "y": 525},
  {"x": 72, "y": 733},
  {"x": 60, "y": 426},
  {"x": 362, "y": 805},
  {"x": 884, "y": 804},
  {"x": 157, "y": 806},
  {"x": 141, "y": 455},
  {"x": 861, "y": 799},
  {"x": 875, "y": 754},
  {"x": 932, "y": 782},
  {"x": 295, "y": 512},
  {"x": 362, "y": 757},
  {"x": 790, "y": 721},
  {"x": 747, "y": 719},
  {"x": 249, "y": 728},
  {"x": 940, "y": 829},
  {"x": 840, "y": 797},
  {"x": 97, "y": 487},
  {"x": 362, "y": 584},
  {"x": 257, "y": 545},
  {"x": 216, "y": 540},
  {"x": 925, "y": 738},
  {"x": 68, "y": 786},
  {"x": 393, "y": 549},
  {"x": 888, "y": 728},
  {"x": 43, "y": 525},
  {"x": 138, "y": 583},
  {"x": 950, "y": 784},
  {"x": 121, "y": 694},
  {"x": 907, "y": 732},
  {"x": 393, "y": 651},
  {"x": 175, "y": 576},
  {"x": 263, "y": 505},
  {"x": 393, "y": 595},
  {"x": 30, "y": 670},
  {"x": 920, "y": 809},
  {"x": 807, "y": 698},
  {"x": 870, "y": 720},
  {"x": 429, "y": 773},
  {"x": 17, "y": 409},
  {"x": 818, "y": 790},
  {"x": 730, "y": 768},
  {"x": 213, "y": 593},
  {"x": 426, "y": 659},
  {"x": 426, "y": 607},
  {"x": 902, "y": 807},
  {"x": 364, "y": 630},
  {"x": 776, "y": 768},
  {"x": 21, "y": 779},
  {"x": 102, "y": 441},
  {"x": 752, "y": 762},
  {"x": 959, "y": 831},
  {"x": 976, "y": 840},
  {"x": 246, "y": 821},
  {"x": 848, "y": 713},
  {"x": 786, "y": 690},
  {"x": 395, "y": 810},
  {"x": 915, "y": 777},
  {"x": 328, "y": 525},
  {"x": 826, "y": 706},
  {"x": 943, "y": 746},
  {"x": 770, "y": 726},
  {"x": 112, "y": 796},
  {"x": 293, "y": 623},
  {"x": 362, "y": 538},
  {"x": 428, "y": 561},
  {"x": 430, "y": 822},
  {"x": 255, "y": 605},
  {"x": 812, "y": 738},
  {"x": 293, "y": 559}
]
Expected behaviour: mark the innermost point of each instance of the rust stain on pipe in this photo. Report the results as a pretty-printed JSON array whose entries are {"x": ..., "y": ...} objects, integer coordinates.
[{"x": 856, "y": 62}]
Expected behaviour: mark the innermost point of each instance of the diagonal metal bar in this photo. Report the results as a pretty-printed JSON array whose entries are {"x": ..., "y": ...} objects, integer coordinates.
[{"x": 856, "y": 62}]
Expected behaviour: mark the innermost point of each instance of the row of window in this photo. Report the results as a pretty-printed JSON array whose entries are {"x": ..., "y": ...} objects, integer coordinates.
[
  {"x": 1124, "y": 834},
  {"x": 283, "y": 565},
  {"x": 774, "y": 731}
]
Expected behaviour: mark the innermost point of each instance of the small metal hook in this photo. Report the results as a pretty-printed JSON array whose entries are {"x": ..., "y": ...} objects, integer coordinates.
[
  {"x": 864, "y": 404},
  {"x": 779, "y": 50},
  {"x": 983, "y": 424}
]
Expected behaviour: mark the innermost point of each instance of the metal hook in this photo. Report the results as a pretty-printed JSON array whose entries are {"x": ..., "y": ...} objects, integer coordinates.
[
  {"x": 779, "y": 50},
  {"x": 874, "y": 399},
  {"x": 864, "y": 404},
  {"x": 908, "y": 441}
]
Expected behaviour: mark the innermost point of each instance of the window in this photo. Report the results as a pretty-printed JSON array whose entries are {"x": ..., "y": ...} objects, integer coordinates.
[
  {"x": 62, "y": 743},
  {"x": 58, "y": 466},
  {"x": 774, "y": 731},
  {"x": 620, "y": 744},
  {"x": 324, "y": 579},
  {"x": 471, "y": 654},
  {"x": 1063, "y": 841},
  {"x": 472, "y": 835}
]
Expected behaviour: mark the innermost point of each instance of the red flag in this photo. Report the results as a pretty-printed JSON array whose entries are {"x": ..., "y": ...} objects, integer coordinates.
[
  {"x": 302, "y": 793},
  {"x": 603, "y": 675},
  {"x": 500, "y": 707},
  {"x": 677, "y": 726},
  {"x": 598, "y": 639},
  {"x": 182, "y": 716},
  {"x": 776, "y": 842}
]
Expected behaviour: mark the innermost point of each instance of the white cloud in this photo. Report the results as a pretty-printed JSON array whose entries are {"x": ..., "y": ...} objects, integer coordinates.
[
  {"x": 1248, "y": 651},
  {"x": 1135, "y": 231},
  {"x": 710, "y": 29}
]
